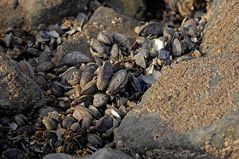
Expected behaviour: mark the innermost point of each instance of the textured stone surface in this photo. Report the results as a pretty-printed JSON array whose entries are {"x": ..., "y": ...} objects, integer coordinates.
[
  {"x": 107, "y": 153},
  {"x": 60, "y": 156},
  {"x": 17, "y": 91},
  {"x": 103, "y": 19},
  {"x": 133, "y": 8},
  {"x": 192, "y": 111},
  {"x": 222, "y": 33},
  {"x": 31, "y": 13}
]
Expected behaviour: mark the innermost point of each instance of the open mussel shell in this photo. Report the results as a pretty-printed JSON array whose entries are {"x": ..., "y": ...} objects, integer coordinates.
[
  {"x": 104, "y": 75},
  {"x": 117, "y": 82}
]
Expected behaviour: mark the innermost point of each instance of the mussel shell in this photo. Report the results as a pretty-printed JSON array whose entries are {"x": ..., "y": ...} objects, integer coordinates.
[
  {"x": 151, "y": 28},
  {"x": 76, "y": 57},
  {"x": 89, "y": 88},
  {"x": 83, "y": 115},
  {"x": 177, "y": 48},
  {"x": 94, "y": 140},
  {"x": 68, "y": 121},
  {"x": 85, "y": 99},
  {"x": 20, "y": 119},
  {"x": 115, "y": 52},
  {"x": 50, "y": 124},
  {"x": 121, "y": 40},
  {"x": 105, "y": 123},
  {"x": 45, "y": 66},
  {"x": 88, "y": 74},
  {"x": 100, "y": 100},
  {"x": 71, "y": 76},
  {"x": 97, "y": 46},
  {"x": 104, "y": 75},
  {"x": 117, "y": 82},
  {"x": 105, "y": 38}
]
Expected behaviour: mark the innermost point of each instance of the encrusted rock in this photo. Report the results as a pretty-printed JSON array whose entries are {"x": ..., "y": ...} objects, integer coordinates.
[
  {"x": 32, "y": 13},
  {"x": 18, "y": 90}
]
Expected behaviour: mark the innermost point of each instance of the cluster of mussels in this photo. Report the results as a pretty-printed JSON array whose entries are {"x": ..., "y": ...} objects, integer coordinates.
[{"x": 90, "y": 94}]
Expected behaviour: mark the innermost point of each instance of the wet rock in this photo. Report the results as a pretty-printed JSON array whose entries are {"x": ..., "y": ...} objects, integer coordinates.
[
  {"x": 104, "y": 19},
  {"x": 18, "y": 90},
  {"x": 32, "y": 13},
  {"x": 108, "y": 153}
]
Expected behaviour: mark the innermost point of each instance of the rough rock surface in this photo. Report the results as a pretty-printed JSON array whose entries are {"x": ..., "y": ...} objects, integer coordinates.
[
  {"x": 103, "y": 19},
  {"x": 107, "y": 153},
  {"x": 133, "y": 8},
  {"x": 30, "y": 13},
  {"x": 60, "y": 156},
  {"x": 104, "y": 153},
  {"x": 192, "y": 111},
  {"x": 18, "y": 91}
]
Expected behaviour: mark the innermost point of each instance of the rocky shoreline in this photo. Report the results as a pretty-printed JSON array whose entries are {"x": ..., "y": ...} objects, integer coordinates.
[{"x": 102, "y": 81}]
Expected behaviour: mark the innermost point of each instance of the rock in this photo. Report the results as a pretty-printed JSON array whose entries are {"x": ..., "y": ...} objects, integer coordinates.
[
  {"x": 133, "y": 8},
  {"x": 226, "y": 40},
  {"x": 32, "y": 13},
  {"x": 191, "y": 105},
  {"x": 108, "y": 153},
  {"x": 18, "y": 90},
  {"x": 192, "y": 111},
  {"x": 60, "y": 156},
  {"x": 104, "y": 19}
]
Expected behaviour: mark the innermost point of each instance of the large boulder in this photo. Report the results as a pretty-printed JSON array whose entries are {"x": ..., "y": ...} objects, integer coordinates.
[
  {"x": 103, "y": 19},
  {"x": 17, "y": 90},
  {"x": 31, "y": 13},
  {"x": 192, "y": 110}
]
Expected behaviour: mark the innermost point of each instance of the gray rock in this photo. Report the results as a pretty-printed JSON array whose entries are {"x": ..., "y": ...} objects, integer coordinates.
[
  {"x": 18, "y": 90},
  {"x": 60, "y": 156},
  {"x": 108, "y": 153},
  {"x": 32, "y": 13},
  {"x": 104, "y": 19},
  {"x": 192, "y": 110}
]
